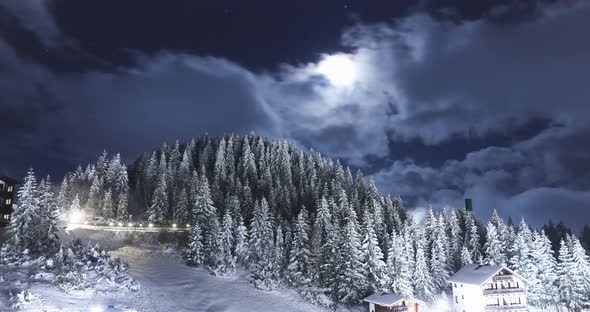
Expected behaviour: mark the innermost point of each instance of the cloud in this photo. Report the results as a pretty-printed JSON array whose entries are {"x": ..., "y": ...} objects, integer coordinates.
[
  {"x": 415, "y": 78},
  {"x": 35, "y": 16}
]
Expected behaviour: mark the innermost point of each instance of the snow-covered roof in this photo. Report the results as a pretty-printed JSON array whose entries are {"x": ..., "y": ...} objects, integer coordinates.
[
  {"x": 475, "y": 274},
  {"x": 385, "y": 299}
]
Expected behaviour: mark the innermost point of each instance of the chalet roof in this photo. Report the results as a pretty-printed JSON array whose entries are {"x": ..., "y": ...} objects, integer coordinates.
[
  {"x": 8, "y": 179},
  {"x": 385, "y": 299},
  {"x": 474, "y": 274}
]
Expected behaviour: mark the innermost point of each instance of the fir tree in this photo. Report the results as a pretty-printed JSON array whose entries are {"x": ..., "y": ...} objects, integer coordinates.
[
  {"x": 261, "y": 247},
  {"x": 228, "y": 262},
  {"x": 398, "y": 264},
  {"x": 299, "y": 256},
  {"x": 157, "y": 210},
  {"x": 465, "y": 256},
  {"x": 180, "y": 207},
  {"x": 48, "y": 217},
  {"x": 107, "y": 205},
  {"x": 194, "y": 251},
  {"x": 438, "y": 258},
  {"x": 543, "y": 294},
  {"x": 372, "y": 257},
  {"x": 241, "y": 239},
  {"x": 24, "y": 219},
  {"x": 492, "y": 247},
  {"x": 423, "y": 287},
  {"x": 122, "y": 213},
  {"x": 350, "y": 280}
]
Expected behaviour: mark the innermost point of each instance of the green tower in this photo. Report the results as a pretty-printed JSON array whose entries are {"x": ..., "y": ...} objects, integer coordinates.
[{"x": 468, "y": 204}]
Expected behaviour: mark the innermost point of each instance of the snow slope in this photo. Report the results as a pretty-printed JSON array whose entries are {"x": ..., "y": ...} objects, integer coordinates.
[{"x": 167, "y": 284}]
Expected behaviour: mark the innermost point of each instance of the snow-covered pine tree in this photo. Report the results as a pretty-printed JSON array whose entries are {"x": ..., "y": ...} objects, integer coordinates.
[
  {"x": 328, "y": 259},
  {"x": 48, "y": 217},
  {"x": 372, "y": 257},
  {"x": 180, "y": 206},
  {"x": 299, "y": 261},
  {"x": 62, "y": 198},
  {"x": 280, "y": 259},
  {"x": 493, "y": 246},
  {"x": 194, "y": 250},
  {"x": 569, "y": 278},
  {"x": 581, "y": 267},
  {"x": 122, "y": 204},
  {"x": 521, "y": 261},
  {"x": 241, "y": 239},
  {"x": 228, "y": 261},
  {"x": 465, "y": 256},
  {"x": 75, "y": 208},
  {"x": 503, "y": 236},
  {"x": 398, "y": 267},
  {"x": 211, "y": 229},
  {"x": 423, "y": 287},
  {"x": 456, "y": 241},
  {"x": 261, "y": 247},
  {"x": 321, "y": 227},
  {"x": 543, "y": 294},
  {"x": 472, "y": 242},
  {"x": 24, "y": 219},
  {"x": 157, "y": 210},
  {"x": 94, "y": 196},
  {"x": 438, "y": 258},
  {"x": 107, "y": 205},
  {"x": 350, "y": 280}
]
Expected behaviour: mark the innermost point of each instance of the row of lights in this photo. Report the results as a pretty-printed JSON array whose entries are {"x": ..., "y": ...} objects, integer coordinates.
[{"x": 141, "y": 224}]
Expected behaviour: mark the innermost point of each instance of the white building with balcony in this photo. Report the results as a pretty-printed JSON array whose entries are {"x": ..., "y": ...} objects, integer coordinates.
[{"x": 488, "y": 288}]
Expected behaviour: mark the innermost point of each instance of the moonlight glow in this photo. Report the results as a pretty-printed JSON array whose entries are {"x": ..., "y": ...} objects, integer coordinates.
[{"x": 339, "y": 69}]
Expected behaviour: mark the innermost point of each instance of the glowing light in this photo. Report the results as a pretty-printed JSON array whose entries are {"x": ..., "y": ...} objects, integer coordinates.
[
  {"x": 140, "y": 224},
  {"x": 188, "y": 225},
  {"x": 120, "y": 224},
  {"x": 151, "y": 225},
  {"x": 130, "y": 224},
  {"x": 339, "y": 69},
  {"x": 111, "y": 224},
  {"x": 174, "y": 225},
  {"x": 76, "y": 216},
  {"x": 96, "y": 308}
]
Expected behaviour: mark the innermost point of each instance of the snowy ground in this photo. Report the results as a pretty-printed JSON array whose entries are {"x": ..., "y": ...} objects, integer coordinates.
[{"x": 166, "y": 285}]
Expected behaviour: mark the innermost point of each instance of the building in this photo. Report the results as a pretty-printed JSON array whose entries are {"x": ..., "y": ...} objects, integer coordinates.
[
  {"x": 7, "y": 190},
  {"x": 488, "y": 288},
  {"x": 381, "y": 302}
]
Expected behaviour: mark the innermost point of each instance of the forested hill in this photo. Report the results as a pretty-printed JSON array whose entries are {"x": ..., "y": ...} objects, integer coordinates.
[
  {"x": 242, "y": 170},
  {"x": 302, "y": 220}
]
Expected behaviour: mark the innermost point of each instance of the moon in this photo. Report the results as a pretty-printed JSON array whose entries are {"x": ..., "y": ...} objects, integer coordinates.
[{"x": 339, "y": 69}]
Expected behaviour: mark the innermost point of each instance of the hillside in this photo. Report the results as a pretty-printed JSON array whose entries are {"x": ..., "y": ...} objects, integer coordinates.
[{"x": 299, "y": 220}]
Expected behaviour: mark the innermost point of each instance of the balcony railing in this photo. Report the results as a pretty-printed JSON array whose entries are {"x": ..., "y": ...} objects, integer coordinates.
[
  {"x": 506, "y": 308},
  {"x": 399, "y": 309},
  {"x": 499, "y": 278},
  {"x": 502, "y": 291}
]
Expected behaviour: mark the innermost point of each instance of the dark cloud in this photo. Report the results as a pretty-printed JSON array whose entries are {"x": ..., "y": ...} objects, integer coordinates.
[{"x": 421, "y": 84}]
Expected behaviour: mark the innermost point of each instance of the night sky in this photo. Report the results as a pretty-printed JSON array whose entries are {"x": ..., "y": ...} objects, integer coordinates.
[{"x": 437, "y": 100}]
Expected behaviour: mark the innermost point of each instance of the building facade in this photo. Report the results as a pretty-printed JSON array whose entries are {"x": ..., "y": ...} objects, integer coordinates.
[
  {"x": 479, "y": 288},
  {"x": 7, "y": 191},
  {"x": 384, "y": 302}
]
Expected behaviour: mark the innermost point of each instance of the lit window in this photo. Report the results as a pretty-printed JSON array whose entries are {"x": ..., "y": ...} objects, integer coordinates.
[
  {"x": 8, "y": 201},
  {"x": 9, "y": 188},
  {"x": 6, "y": 217}
]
